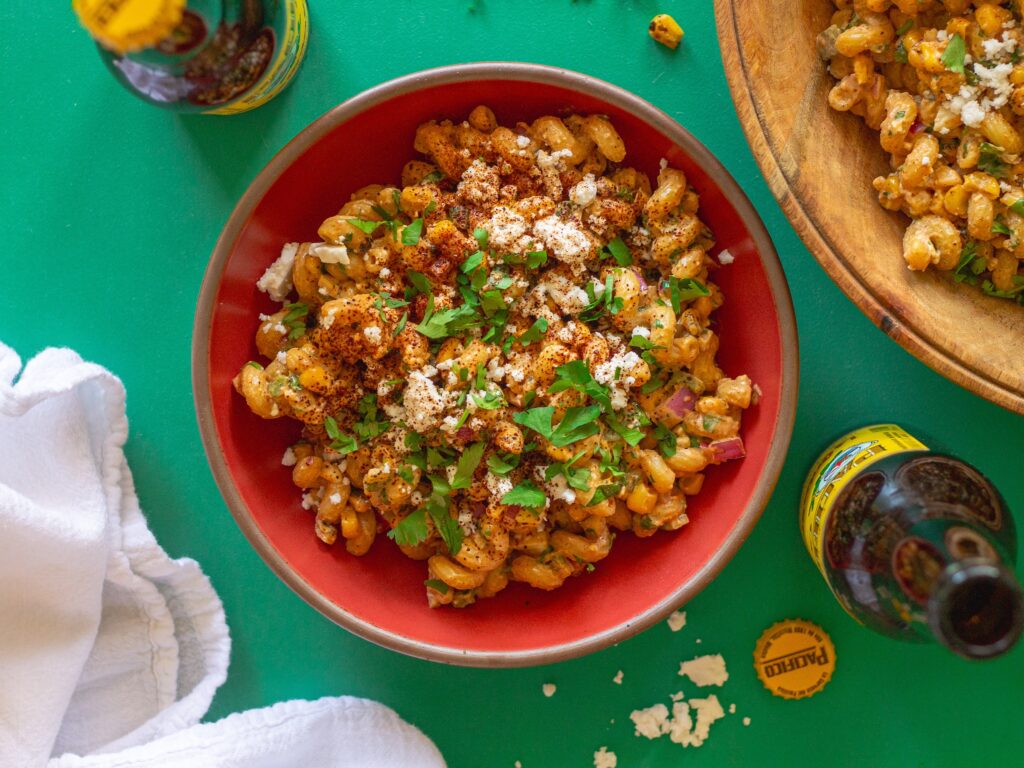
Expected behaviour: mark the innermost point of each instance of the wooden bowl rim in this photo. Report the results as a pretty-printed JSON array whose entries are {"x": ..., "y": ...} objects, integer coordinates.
[
  {"x": 825, "y": 252},
  {"x": 789, "y": 369}
]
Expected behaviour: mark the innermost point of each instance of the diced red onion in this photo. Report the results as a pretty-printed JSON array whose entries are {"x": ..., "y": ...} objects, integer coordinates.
[
  {"x": 916, "y": 128},
  {"x": 477, "y": 509},
  {"x": 726, "y": 450},
  {"x": 465, "y": 433},
  {"x": 672, "y": 410},
  {"x": 640, "y": 277}
]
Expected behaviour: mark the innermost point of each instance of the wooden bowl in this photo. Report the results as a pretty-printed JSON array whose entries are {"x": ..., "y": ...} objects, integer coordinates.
[
  {"x": 381, "y": 596},
  {"x": 819, "y": 164}
]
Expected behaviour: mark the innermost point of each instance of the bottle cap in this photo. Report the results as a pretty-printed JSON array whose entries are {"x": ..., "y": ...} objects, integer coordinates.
[
  {"x": 129, "y": 25},
  {"x": 794, "y": 658}
]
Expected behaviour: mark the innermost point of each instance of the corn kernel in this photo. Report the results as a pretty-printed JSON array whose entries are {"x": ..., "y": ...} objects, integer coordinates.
[{"x": 665, "y": 30}]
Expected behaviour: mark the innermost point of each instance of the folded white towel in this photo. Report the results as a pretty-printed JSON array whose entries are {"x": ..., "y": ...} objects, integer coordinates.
[{"x": 110, "y": 651}]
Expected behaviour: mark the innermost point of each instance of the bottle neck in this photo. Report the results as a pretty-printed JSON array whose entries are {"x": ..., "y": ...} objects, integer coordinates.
[{"x": 977, "y": 608}]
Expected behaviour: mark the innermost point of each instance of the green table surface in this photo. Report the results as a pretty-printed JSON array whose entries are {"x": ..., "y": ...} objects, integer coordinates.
[{"x": 110, "y": 209}]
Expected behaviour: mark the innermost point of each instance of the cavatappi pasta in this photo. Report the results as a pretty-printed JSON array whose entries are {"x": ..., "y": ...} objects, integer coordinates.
[
  {"x": 504, "y": 359},
  {"x": 943, "y": 83}
]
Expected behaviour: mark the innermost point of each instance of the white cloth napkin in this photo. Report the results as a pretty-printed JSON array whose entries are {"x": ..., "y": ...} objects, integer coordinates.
[{"x": 110, "y": 651}]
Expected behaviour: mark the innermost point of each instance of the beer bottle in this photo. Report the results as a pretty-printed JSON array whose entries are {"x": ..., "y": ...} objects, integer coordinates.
[
  {"x": 217, "y": 57},
  {"x": 914, "y": 544}
]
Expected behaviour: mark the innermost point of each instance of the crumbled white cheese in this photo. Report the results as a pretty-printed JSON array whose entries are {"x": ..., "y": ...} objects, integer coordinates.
[
  {"x": 329, "y": 254},
  {"x": 523, "y": 141},
  {"x": 385, "y": 273},
  {"x": 335, "y": 498},
  {"x": 549, "y": 689},
  {"x": 422, "y": 402},
  {"x": 564, "y": 241},
  {"x": 281, "y": 357},
  {"x": 584, "y": 192},
  {"x": 605, "y": 759},
  {"x": 705, "y": 670},
  {"x": 507, "y": 230},
  {"x": 372, "y": 333},
  {"x": 641, "y": 330},
  {"x": 498, "y": 486},
  {"x": 289, "y": 459},
  {"x": 682, "y": 729},
  {"x": 663, "y": 164},
  {"x": 677, "y": 620},
  {"x": 553, "y": 160},
  {"x": 618, "y": 678},
  {"x": 732, "y": 709},
  {"x": 276, "y": 282},
  {"x": 308, "y": 500},
  {"x": 570, "y": 298},
  {"x": 677, "y": 696},
  {"x": 651, "y": 722},
  {"x": 746, "y": 721},
  {"x": 726, "y": 257}
]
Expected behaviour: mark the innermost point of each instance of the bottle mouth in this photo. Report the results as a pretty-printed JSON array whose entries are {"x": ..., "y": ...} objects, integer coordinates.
[{"x": 977, "y": 609}]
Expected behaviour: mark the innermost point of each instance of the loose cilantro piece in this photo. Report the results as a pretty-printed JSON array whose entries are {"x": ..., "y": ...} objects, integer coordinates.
[
  {"x": 406, "y": 474},
  {"x": 413, "y": 441},
  {"x": 503, "y": 283},
  {"x": 1013, "y": 293},
  {"x": 999, "y": 227},
  {"x": 365, "y": 226},
  {"x": 501, "y": 466},
  {"x": 607, "y": 491},
  {"x": 437, "y": 585},
  {"x": 535, "y": 332},
  {"x": 686, "y": 289},
  {"x": 295, "y": 319},
  {"x": 653, "y": 385},
  {"x": 254, "y": 364},
  {"x": 489, "y": 401},
  {"x": 611, "y": 459},
  {"x": 340, "y": 442},
  {"x": 401, "y": 323},
  {"x": 631, "y": 435},
  {"x": 481, "y": 237},
  {"x": 419, "y": 282},
  {"x": 411, "y": 234},
  {"x": 439, "y": 484},
  {"x": 412, "y": 530},
  {"x": 535, "y": 259},
  {"x": 492, "y": 302},
  {"x": 446, "y": 322},
  {"x": 990, "y": 160},
  {"x": 576, "y": 375},
  {"x": 537, "y": 419},
  {"x": 666, "y": 440},
  {"x": 900, "y": 54},
  {"x": 620, "y": 252},
  {"x": 474, "y": 260},
  {"x": 575, "y": 477},
  {"x": 579, "y": 422},
  {"x": 529, "y": 398},
  {"x": 468, "y": 462},
  {"x": 449, "y": 528},
  {"x": 708, "y": 423},
  {"x": 599, "y": 302},
  {"x": 432, "y": 177},
  {"x": 642, "y": 342},
  {"x": 371, "y": 423},
  {"x": 953, "y": 56},
  {"x": 525, "y": 494},
  {"x": 905, "y": 27},
  {"x": 970, "y": 264},
  {"x": 1018, "y": 207}
]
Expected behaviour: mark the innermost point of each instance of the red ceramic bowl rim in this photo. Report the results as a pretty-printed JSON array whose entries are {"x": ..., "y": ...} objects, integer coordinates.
[{"x": 456, "y": 74}]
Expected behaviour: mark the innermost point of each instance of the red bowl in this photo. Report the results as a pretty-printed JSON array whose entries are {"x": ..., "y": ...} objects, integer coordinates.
[{"x": 380, "y": 596}]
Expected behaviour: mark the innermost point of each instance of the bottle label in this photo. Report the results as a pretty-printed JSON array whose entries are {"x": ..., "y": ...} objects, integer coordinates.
[
  {"x": 284, "y": 66},
  {"x": 835, "y": 468},
  {"x": 129, "y": 25}
]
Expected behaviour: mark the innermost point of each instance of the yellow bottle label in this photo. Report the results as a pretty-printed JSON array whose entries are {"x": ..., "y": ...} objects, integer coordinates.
[
  {"x": 129, "y": 25},
  {"x": 284, "y": 66},
  {"x": 835, "y": 468}
]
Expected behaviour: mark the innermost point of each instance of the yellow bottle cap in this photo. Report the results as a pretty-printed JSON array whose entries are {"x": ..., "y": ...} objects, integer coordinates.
[
  {"x": 129, "y": 25},
  {"x": 794, "y": 658}
]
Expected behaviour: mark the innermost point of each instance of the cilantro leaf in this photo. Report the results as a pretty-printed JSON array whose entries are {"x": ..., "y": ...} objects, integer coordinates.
[
  {"x": 991, "y": 162},
  {"x": 412, "y": 530},
  {"x": 537, "y": 419},
  {"x": 576, "y": 375},
  {"x": 620, "y": 252},
  {"x": 666, "y": 440},
  {"x": 578, "y": 423},
  {"x": 444, "y": 323},
  {"x": 437, "y": 585},
  {"x": 905, "y": 27},
  {"x": 365, "y": 226},
  {"x": 411, "y": 234},
  {"x": 535, "y": 332},
  {"x": 468, "y": 462},
  {"x": 419, "y": 282},
  {"x": 953, "y": 56},
  {"x": 340, "y": 442},
  {"x": 448, "y": 527},
  {"x": 525, "y": 494},
  {"x": 685, "y": 289},
  {"x": 607, "y": 491},
  {"x": 999, "y": 227},
  {"x": 535, "y": 259},
  {"x": 481, "y": 237},
  {"x": 1018, "y": 207},
  {"x": 629, "y": 434},
  {"x": 474, "y": 260},
  {"x": 500, "y": 466},
  {"x": 432, "y": 177}
]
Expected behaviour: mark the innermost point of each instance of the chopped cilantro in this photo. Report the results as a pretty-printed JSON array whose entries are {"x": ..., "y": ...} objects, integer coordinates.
[
  {"x": 419, "y": 281},
  {"x": 620, "y": 252},
  {"x": 999, "y": 227},
  {"x": 535, "y": 332},
  {"x": 1018, "y": 207},
  {"x": 991, "y": 162},
  {"x": 254, "y": 364},
  {"x": 525, "y": 494},
  {"x": 535, "y": 259},
  {"x": 501, "y": 466},
  {"x": 576, "y": 375},
  {"x": 432, "y": 177},
  {"x": 685, "y": 289},
  {"x": 468, "y": 462},
  {"x": 365, "y": 226},
  {"x": 411, "y": 234},
  {"x": 412, "y": 530},
  {"x": 449, "y": 528},
  {"x": 953, "y": 56},
  {"x": 444, "y": 323},
  {"x": 473, "y": 261},
  {"x": 437, "y": 585},
  {"x": 481, "y": 237},
  {"x": 295, "y": 319},
  {"x": 489, "y": 401},
  {"x": 629, "y": 434},
  {"x": 666, "y": 440},
  {"x": 905, "y": 27},
  {"x": 607, "y": 491},
  {"x": 340, "y": 442},
  {"x": 599, "y": 302},
  {"x": 401, "y": 323}
]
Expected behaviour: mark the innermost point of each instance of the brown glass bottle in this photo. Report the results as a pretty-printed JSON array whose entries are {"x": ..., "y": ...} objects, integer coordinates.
[
  {"x": 914, "y": 544},
  {"x": 209, "y": 56}
]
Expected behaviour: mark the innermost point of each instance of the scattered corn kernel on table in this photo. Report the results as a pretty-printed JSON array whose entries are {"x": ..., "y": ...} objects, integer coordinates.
[{"x": 110, "y": 210}]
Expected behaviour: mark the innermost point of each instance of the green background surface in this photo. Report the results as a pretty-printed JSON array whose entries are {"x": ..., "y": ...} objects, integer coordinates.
[{"x": 110, "y": 209}]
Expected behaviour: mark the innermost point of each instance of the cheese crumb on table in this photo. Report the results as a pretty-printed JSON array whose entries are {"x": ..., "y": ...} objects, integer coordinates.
[
  {"x": 618, "y": 678},
  {"x": 677, "y": 696},
  {"x": 746, "y": 721},
  {"x": 549, "y": 689},
  {"x": 682, "y": 729},
  {"x": 732, "y": 709},
  {"x": 651, "y": 722},
  {"x": 605, "y": 759},
  {"x": 705, "y": 670},
  {"x": 677, "y": 621}
]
